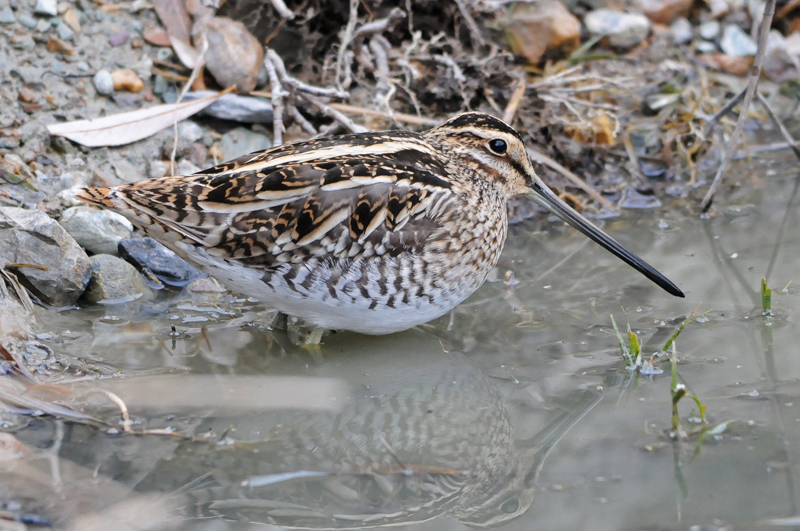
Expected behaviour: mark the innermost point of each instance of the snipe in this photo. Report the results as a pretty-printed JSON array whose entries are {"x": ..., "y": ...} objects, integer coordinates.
[{"x": 373, "y": 232}]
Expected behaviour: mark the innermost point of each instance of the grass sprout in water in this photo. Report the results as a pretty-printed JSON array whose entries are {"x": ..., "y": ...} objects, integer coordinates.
[{"x": 766, "y": 299}]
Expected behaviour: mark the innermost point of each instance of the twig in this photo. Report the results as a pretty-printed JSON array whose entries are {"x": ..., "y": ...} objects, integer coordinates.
[
  {"x": 336, "y": 115},
  {"x": 346, "y": 38},
  {"x": 382, "y": 24},
  {"x": 277, "y": 97},
  {"x": 755, "y": 74},
  {"x": 282, "y": 10},
  {"x": 449, "y": 62},
  {"x": 712, "y": 122},
  {"x": 515, "y": 100},
  {"x": 779, "y": 124},
  {"x": 400, "y": 117},
  {"x": 292, "y": 111},
  {"x": 195, "y": 72},
  {"x": 541, "y": 158},
  {"x": 474, "y": 30},
  {"x": 381, "y": 68},
  {"x": 280, "y": 69},
  {"x": 123, "y": 409}
]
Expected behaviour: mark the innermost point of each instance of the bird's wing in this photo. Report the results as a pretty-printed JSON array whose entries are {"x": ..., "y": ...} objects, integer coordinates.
[{"x": 361, "y": 194}]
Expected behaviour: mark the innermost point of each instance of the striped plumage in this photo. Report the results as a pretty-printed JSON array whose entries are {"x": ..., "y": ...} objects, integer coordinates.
[{"x": 373, "y": 232}]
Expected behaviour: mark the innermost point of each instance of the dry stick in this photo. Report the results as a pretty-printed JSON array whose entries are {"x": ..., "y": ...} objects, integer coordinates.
[
  {"x": 277, "y": 98},
  {"x": 346, "y": 38},
  {"x": 474, "y": 30},
  {"x": 298, "y": 118},
  {"x": 382, "y": 24},
  {"x": 400, "y": 117},
  {"x": 779, "y": 124},
  {"x": 541, "y": 158},
  {"x": 755, "y": 74},
  {"x": 712, "y": 122},
  {"x": 333, "y": 113},
  {"x": 282, "y": 10},
  {"x": 197, "y": 68},
  {"x": 516, "y": 99}
]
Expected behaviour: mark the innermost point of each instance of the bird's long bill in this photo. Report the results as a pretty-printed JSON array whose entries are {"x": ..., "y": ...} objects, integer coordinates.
[{"x": 545, "y": 197}]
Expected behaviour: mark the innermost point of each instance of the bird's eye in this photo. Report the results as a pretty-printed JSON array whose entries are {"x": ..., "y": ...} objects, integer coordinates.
[{"x": 498, "y": 146}]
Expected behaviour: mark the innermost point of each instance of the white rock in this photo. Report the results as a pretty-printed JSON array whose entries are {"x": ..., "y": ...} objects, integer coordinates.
[
  {"x": 189, "y": 131},
  {"x": 709, "y": 30},
  {"x": 624, "y": 30},
  {"x": 681, "y": 31},
  {"x": 103, "y": 83},
  {"x": 184, "y": 167},
  {"x": 736, "y": 42},
  {"x": 46, "y": 7}
]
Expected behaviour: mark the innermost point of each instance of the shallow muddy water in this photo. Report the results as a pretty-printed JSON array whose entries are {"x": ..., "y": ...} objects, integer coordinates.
[{"x": 515, "y": 412}]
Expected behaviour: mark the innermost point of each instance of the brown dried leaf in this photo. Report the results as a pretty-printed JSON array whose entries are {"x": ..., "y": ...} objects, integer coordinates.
[{"x": 175, "y": 17}]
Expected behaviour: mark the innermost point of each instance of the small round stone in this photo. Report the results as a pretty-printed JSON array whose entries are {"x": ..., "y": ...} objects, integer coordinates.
[{"x": 104, "y": 83}]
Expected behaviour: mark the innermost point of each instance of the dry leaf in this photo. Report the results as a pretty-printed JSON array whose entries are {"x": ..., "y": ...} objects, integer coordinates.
[
  {"x": 127, "y": 127},
  {"x": 175, "y": 17},
  {"x": 187, "y": 53}
]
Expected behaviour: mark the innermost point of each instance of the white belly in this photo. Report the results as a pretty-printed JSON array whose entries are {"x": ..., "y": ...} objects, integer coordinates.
[{"x": 336, "y": 305}]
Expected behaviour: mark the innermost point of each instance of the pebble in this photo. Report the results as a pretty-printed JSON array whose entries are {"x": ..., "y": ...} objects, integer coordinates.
[
  {"x": 118, "y": 39},
  {"x": 32, "y": 237},
  {"x": 126, "y": 79},
  {"x": 83, "y": 66},
  {"x": 155, "y": 260},
  {"x": 241, "y": 141},
  {"x": 97, "y": 231},
  {"x": 624, "y": 30},
  {"x": 234, "y": 55},
  {"x": 6, "y": 16},
  {"x": 681, "y": 31},
  {"x": 186, "y": 167},
  {"x": 736, "y": 43},
  {"x": 42, "y": 26},
  {"x": 56, "y": 45},
  {"x": 46, "y": 7},
  {"x": 64, "y": 32},
  {"x": 236, "y": 108},
  {"x": 159, "y": 85},
  {"x": 127, "y": 171},
  {"x": 633, "y": 199},
  {"x": 114, "y": 280},
  {"x": 27, "y": 20},
  {"x": 55, "y": 184},
  {"x": 158, "y": 168},
  {"x": 705, "y": 47},
  {"x": 543, "y": 28},
  {"x": 189, "y": 131},
  {"x": 104, "y": 83},
  {"x": 709, "y": 30}
]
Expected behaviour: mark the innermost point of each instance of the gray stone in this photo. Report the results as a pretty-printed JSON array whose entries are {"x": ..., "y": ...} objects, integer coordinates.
[
  {"x": 54, "y": 184},
  {"x": 681, "y": 31},
  {"x": 736, "y": 42},
  {"x": 97, "y": 231},
  {"x": 241, "y": 141},
  {"x": 6, "y": 16},
  {"x": 127, "y": 171},
  {"x": 46, "y": 7},
  {"x": 156, "y": 261},
  {"x": 32, "y": 237},
  {"x": 42, "y": 26},
  {"x": 705, "y": 47},
  {"x": 189, "y": 131},
  {"x": 709, "y": 30},
  {"x": 65, "y": 33},
  {"x": 103, "y": 83},
  {"x": 114, "y": 280},
  {"x": 26, "y": 20},
  {"x": 624, "y": 30},
  {"x": 236, "y": 108},
  {"x": 159, "y": 85},
  {"x": 158, "y": 168},
  {"x": 185, "y": 167},
  {"x": 83, "y": 66}
]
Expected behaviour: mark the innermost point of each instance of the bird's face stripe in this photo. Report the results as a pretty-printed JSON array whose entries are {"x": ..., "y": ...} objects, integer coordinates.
[{"x": 385, "y": 147}]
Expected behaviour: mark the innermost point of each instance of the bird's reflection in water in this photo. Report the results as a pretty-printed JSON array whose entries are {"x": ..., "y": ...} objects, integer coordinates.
[{"x": 423, "y": 434}]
